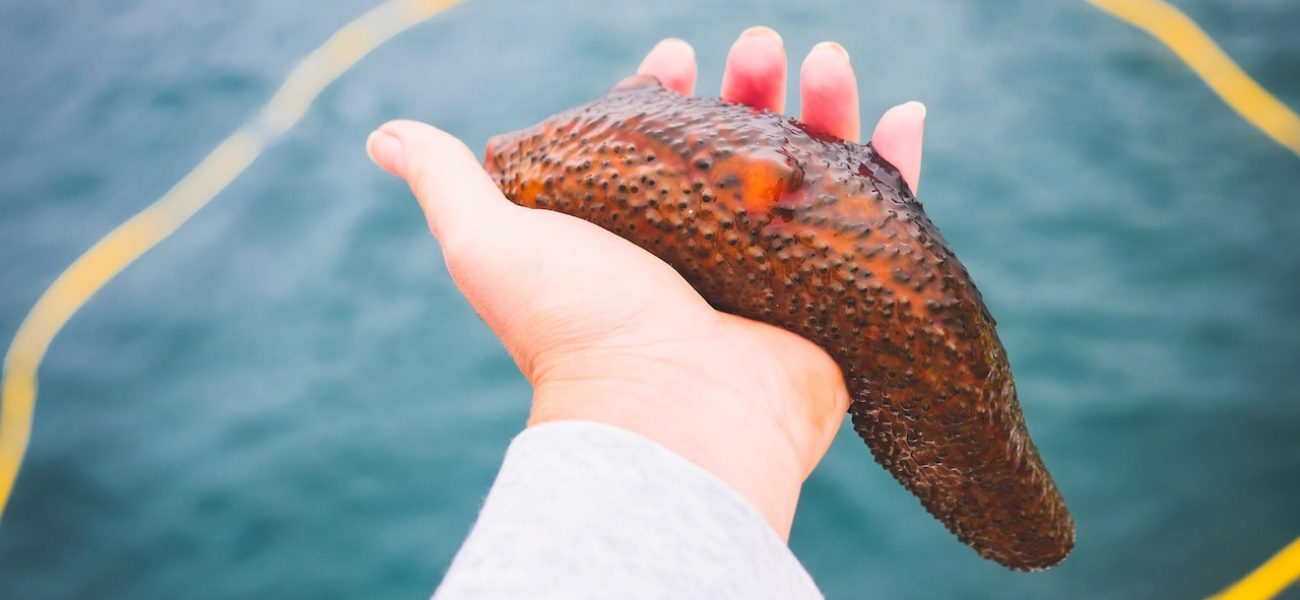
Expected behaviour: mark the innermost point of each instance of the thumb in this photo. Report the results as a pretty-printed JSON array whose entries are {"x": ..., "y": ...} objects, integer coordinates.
[{"x": 457, "y": 195}]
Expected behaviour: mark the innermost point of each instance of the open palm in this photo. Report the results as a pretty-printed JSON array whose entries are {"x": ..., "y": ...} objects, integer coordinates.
[{"x": 607, "y": 332}]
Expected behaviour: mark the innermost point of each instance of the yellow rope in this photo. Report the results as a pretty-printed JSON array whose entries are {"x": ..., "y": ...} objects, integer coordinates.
[
  {"x": 1195, "y": 48},
  {"x": 1269, "y": 579},
  {"x": 136, "y": 236},
  {"x": 358, "y": 38}
]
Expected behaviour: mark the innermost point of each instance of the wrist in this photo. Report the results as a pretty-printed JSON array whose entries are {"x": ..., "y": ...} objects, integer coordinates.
[{"x": 729, "y": 433}]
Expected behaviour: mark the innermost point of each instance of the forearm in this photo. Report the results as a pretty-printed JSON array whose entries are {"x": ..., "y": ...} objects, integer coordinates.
[
  {"x": 711, "y": 427},
  {"x": 583, "y": 509}
]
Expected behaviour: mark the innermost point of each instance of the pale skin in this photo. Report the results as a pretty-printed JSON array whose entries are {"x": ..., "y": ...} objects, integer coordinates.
[{"x": 606, "y": 332}]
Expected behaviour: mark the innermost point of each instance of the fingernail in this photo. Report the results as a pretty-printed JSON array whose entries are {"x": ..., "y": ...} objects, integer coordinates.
[
  {"x": 833, "y": 47},
  {"x": 917, "y": 106},
  {"x": 678, "y": 44},
  {"x": 386, "y": 151},
  {"x": 763, "y": 30}
]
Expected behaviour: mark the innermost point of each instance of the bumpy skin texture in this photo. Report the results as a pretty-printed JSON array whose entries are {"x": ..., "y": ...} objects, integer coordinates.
[{"x": 821, "y": 237}]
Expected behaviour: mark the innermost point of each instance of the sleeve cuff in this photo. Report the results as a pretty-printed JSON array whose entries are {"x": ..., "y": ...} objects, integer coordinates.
[{"x": 582, "y": 509}]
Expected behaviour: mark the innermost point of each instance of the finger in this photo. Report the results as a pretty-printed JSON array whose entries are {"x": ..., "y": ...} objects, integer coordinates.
[
  {"x": 898, "y": 139},
  {"x": 828, "y": 91},
  {"x": 672, "y": 62},
  {"x": 755, "y": 73},
  {"x": 457, "y": 195}
]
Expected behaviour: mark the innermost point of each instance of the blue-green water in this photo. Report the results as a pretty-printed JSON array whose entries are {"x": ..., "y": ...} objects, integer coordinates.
[{"x": 289, "y": 398}]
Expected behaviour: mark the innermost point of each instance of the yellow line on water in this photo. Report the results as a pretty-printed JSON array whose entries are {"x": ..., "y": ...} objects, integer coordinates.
[
  {"x": 1194, "y": 47},
  {"x": 137, "y": 235},
  {"x": 1269, "y": 579},
  {"x": 358, "y": 38}
]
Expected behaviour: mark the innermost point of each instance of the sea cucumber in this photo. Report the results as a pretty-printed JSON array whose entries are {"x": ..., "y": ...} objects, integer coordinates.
[{"x": 771, "y": 221}]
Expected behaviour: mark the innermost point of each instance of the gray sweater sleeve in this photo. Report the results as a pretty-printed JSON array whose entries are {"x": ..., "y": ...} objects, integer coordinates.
[{"x": 584, "y": 510}]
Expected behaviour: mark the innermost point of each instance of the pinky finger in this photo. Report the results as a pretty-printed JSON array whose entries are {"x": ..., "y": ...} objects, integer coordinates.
[{"x": 898, "y": 138}]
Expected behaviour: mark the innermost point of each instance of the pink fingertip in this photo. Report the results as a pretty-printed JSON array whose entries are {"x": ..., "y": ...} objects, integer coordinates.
[
  {"x": 756, "y": 70},
  {"x": 672, "y": 62},
  {"x": 829, "y": 92},
  {"x": 899, "y": 138},
  {"x": 387, "y": 152}
]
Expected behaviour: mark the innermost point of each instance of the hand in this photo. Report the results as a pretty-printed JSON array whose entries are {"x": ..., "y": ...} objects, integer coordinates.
[{"x": 607, "y": 332}]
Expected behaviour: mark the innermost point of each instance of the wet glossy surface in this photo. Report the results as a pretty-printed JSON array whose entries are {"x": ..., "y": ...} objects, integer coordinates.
[
  {"x": 821, "y": 237},
  {"x": 290, "y": 399}
]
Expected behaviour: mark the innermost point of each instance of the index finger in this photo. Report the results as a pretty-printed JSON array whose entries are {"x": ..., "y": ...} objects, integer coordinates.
[{"x": 672, "y": 62}]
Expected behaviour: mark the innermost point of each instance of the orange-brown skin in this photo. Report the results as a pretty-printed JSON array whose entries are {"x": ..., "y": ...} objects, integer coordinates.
[{"x": 821, "y": 237}]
